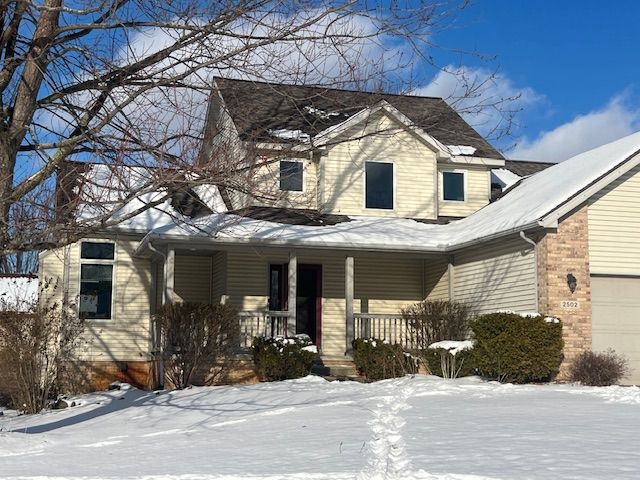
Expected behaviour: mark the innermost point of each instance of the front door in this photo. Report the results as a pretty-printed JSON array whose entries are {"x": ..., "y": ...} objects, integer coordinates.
[{"x": 309, "y": 302}]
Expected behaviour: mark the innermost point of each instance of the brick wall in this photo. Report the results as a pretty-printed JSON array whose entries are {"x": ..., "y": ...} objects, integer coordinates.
[{"x": 561, "y": 252}]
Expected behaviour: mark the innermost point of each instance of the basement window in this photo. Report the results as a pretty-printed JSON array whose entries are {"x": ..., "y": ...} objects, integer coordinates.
[
  {"x": 291, "y": 176},
  {"x": 97, "y": 261}
]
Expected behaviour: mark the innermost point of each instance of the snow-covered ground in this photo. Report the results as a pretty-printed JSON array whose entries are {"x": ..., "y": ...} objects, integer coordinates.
[{"x": 409, "y": 428}]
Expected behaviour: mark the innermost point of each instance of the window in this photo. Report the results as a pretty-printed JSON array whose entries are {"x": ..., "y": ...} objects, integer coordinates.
[
  {"x": 278, "y": 287},
  {"x": 453, "y": 186},
  {"x": 290, "y": 176},
  {"x": 97, "y": 260},
  {"x": 379, "y": 185}
]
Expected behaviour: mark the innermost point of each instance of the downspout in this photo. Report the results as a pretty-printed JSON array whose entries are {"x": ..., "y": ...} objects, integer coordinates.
[
  {"x": 157, "y": 331},
  {"x": 535, "y": 264}
]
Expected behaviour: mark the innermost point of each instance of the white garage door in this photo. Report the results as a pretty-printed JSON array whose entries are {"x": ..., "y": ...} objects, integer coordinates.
[{"x": 616, "y": 319}]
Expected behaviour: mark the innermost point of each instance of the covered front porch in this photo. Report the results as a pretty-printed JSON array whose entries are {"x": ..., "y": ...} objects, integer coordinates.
[{"x": 339, "y": 295}]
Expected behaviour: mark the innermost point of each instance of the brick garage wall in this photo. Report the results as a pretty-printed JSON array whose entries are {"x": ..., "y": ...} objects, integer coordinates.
[{"x": 559, "y": 253}]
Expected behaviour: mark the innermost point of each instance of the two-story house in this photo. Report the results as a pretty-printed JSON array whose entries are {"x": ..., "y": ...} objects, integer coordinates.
[{"x": 368, "y": 203}]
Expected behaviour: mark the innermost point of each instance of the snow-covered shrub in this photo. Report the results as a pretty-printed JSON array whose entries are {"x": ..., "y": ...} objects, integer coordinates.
[
  {"x": 432, "y": 321},
  {"x": 510, "y": 347},
  {"x": 34, "y": 347},
  {"x": 283, "y": 358},
  {"x": 599, "y": 369},
  {"x": 196, "y": 336},
  {"x": 377, "y": 359},
  {"x": 453, "y": 355}
]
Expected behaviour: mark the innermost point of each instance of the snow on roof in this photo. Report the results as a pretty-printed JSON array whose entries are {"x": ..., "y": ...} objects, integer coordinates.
[
  {"x": 521, "y": 208},
  {"x": 363, "y": 232},
  {"x": 504, "y": 177},
  {"x": 18, "y": 292},
  {"x": 286, "y": 134},
  {"x": 106, "y": 189},
  {"x": 461, "y": 149},
  {"x": 538, "y": 195}
]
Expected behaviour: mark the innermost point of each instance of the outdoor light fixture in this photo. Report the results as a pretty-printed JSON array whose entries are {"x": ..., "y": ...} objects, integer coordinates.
[{"x": 572, "y": 282}]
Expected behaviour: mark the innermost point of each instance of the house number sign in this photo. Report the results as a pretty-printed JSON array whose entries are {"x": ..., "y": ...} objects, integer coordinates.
[{"x": 570, "y": 304}]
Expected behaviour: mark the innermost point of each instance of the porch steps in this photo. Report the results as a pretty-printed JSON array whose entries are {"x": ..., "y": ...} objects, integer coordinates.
[{"x": 336, "y": 369}]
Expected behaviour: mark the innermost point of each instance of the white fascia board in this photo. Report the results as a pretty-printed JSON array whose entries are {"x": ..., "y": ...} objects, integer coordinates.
[
  {"x": 551, "y": 219},
  {"x": 332, "y": 132},
  {"x": 471, "y": 160}
]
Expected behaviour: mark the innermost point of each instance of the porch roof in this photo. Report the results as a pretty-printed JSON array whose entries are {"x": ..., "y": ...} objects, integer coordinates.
[{"x": 536, "y": 202}]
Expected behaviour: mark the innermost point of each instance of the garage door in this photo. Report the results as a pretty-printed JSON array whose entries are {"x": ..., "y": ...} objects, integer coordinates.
[{"x": 616, "y": 319}]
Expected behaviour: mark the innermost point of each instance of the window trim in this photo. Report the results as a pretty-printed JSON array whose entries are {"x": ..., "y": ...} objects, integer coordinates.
[
  {"x": 94, "y": 261},
  {"x": 304, "y": 176},
  {"x": 393, "y": 186},
  {"x": 464, "y": 185}
]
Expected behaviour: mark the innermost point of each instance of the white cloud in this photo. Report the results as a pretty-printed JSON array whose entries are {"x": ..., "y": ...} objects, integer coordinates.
[
  {"x": 488, "y": 100},
  {"x": 583, "y": 133}
]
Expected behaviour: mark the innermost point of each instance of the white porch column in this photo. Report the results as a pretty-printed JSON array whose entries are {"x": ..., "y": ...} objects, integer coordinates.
[
  {"x": 293, "y": 292},
  {"x": 169, "y": 275},
  {"x": 348, "y": 296}
]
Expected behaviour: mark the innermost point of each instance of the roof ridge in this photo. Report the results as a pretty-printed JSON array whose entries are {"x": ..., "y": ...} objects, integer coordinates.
[{"x": 297, "y": 85}]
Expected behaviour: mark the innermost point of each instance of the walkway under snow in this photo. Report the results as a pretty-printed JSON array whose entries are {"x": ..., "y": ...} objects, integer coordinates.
[{"x": 410, "y": 428}]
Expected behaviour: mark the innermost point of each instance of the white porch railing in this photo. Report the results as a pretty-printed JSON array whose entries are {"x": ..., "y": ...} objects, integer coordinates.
[
  {"x": 261, "y": 324},
  {"x": 390, "y": 327}
]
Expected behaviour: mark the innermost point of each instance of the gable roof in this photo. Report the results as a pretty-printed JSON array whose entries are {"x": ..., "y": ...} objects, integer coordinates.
[
  {"x": 258, "y": 109},
  {"x": 540, "y": 199}
]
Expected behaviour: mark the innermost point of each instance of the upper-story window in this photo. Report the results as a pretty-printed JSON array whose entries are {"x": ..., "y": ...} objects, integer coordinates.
[
  {"x": 291, "y": 172},
  {"x": 453, "y": 186},
  {"x": 97, "y": 260},
  {"x": 379, "y": 185}
]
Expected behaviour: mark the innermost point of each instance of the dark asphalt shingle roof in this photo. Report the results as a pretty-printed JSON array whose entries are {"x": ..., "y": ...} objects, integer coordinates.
[
  {"x": 291, "y": 216},
  {"x": 256, "y": 108},
  {"x": 525, "y": 168}
]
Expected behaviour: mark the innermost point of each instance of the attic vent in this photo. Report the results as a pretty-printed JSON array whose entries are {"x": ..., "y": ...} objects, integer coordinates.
[{"x": 186, "y": 202}]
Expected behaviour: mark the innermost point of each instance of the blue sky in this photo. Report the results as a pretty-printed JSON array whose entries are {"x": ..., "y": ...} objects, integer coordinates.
[{"x": 576, "y": 63}]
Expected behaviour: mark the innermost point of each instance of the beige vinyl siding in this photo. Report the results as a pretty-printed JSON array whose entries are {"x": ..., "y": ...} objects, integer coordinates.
[
  {"x": 51, "y": 275},
  {"x": 614, "y": 227},
  {"x": 126, "y": 336},
  {"x": 436, "y": 279},
  {"x": 192, "y": 280},
  {"x": 343, "y": 167},
  {"x": 496, "y": 276},
  {"x": 385, "y": 285},
  {"x": 219, "y": 277},
  {"x": 477, "y": 190},
  {"x": 268, "y": 185},
  {"x": 247, "y": 280}
]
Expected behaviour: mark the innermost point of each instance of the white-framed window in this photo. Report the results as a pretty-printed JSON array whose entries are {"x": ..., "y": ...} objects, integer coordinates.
[
  {"x": 453, "y": 185},
  {"x": 291, "y": 175},
  {"x": 379, "y": 185},
  {"x": 97, "y": 269}
]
